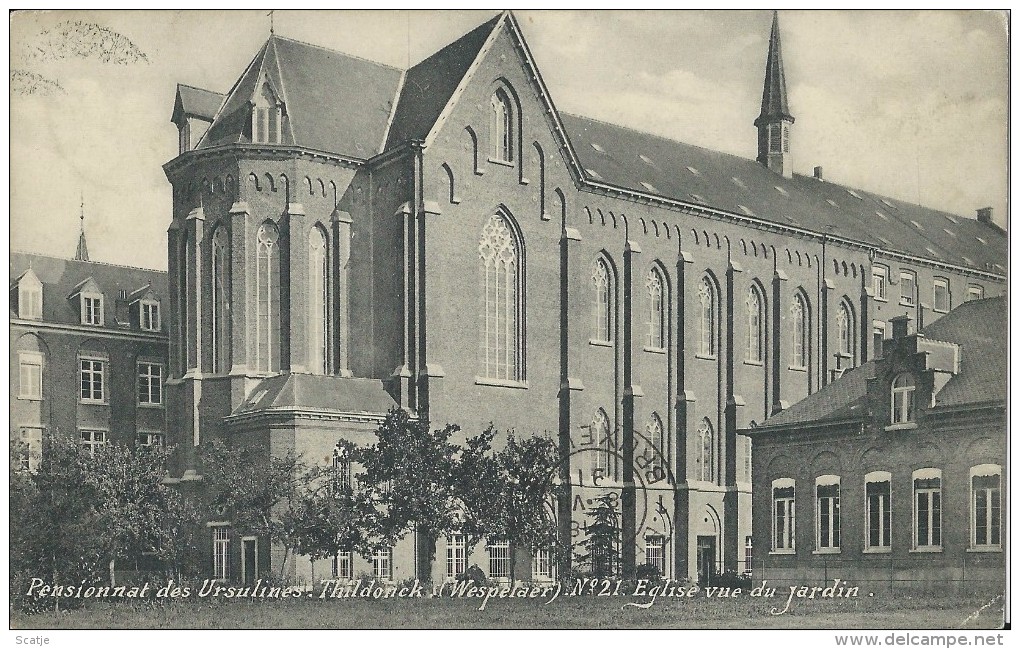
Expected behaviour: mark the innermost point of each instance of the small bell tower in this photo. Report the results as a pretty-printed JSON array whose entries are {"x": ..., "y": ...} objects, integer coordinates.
[{"x": 775, "y": 121}]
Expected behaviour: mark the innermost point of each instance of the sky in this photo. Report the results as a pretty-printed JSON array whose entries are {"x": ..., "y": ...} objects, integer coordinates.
[{"x": 911, "y": 104}]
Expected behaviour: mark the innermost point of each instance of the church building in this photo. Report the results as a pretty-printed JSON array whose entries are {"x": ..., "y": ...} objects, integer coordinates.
[{"x": 348, "y": 237}]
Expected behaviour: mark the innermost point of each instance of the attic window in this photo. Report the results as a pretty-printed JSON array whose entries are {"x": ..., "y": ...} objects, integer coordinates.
[
  {"x": 790, "y": 219},
  {"x": 884, "y": 240},
  {"x": 967, "y": 260},
  {"x": 888, "y": 204},
  {"x": 831, "y": 202},
  {"x": 694, "y": 171},
  {"x": 649, "y": 187},
  {"x": 746, "y": 210},
  {"x": 882, "y": 216},
  {"x": 983, "y": 242},
  {"x": 697, "y": 197},
  {"x": 29, "y": 297},
  {"x": 92, "y": 309},
  {"x": 782, "y": 191},
  {"x": 950, "y": 218},
  {"x": 597, "y": 148},
  {"x": 148, "y": 315},
  {"x": 949, "y": 232},
  {"x": 917, "y": 225},
  {"x": 594, "y": 174},
  {"x": 645, "y": 159},
  {"x": 738, "y": 182},
  {"x": 932, "y": 252},
  {"x": 855, "y": 194},
  {"x": 267, "y": 116}
]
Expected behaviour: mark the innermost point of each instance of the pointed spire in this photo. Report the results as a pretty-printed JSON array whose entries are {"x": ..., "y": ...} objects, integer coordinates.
[
  {"x": 774, "y": 106},
  {"x": 82, "y": 253}
]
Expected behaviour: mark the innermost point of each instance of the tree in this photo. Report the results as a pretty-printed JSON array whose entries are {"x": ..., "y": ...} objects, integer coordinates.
[
  {"x": 509, "y": 496},
  {"x": 602, "y": 540},
  {"x": 411, "y": 473},
  {"x": 264, "y": 495}
]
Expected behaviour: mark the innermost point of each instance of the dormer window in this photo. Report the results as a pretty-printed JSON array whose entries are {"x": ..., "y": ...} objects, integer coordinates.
[
  {"x": 267, "y": 117},
  {"x": 903, "y": 399},
  {"x": 92, "y": 309},
  {"x": 501, "y": 127},
  {"x": 149, "y": 315},
  {"x": 29, "y": 297}
]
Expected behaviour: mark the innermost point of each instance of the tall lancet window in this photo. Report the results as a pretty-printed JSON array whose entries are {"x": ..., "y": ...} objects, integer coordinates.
[
  {"x": 602, "y": 303},
  {"x": 267, "y": 117},
  {"x": 706, "y": 329},
  {"x": 845, "y": 331},
  {"x": 501, "y": 128},
  {"x": 656, "y": 312},
  {"x": 318, "y": 290},
  {"x": 755, "y": 339},
  {"x": 798, "y": 312},
  {"x": 267, "y": 283},
  {"x": 221, "y": 300},
  {"x": 502, "y": 340}
]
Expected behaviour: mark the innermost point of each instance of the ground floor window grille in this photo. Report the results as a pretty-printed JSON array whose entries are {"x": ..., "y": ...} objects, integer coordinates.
[
  {"x": 221, "y": 553},
  {"x": 499, "y": 560}
]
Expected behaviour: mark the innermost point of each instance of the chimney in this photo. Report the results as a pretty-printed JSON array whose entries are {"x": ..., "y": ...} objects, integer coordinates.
[
  {"x": 818, "y": 173},
  {"x": 984, "y": 214},
  {"x": 900, "y": 326}
]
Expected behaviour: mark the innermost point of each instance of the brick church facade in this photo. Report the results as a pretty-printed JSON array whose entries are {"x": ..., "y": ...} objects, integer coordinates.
[{"x": 349, "y": 237}]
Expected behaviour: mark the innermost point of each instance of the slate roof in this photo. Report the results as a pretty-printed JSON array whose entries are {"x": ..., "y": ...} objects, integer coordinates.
[
  {"x": 60, "y": 278},
  {"x": 979, "y": 327},
  {"x": 345, "y": 105},
  {"x": 196, "y": 102},
  {"x": 312, "y": 392},
  {"x": 335, "y": 102},
  {"x": 633, "y": 160}
]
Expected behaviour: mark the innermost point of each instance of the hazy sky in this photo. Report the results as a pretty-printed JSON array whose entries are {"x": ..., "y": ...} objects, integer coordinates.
[{"x": 905, "y": 103}]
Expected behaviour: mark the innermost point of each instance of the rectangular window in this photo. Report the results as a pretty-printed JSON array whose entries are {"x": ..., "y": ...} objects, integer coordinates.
[
  {"x": 221, "y": 553},
  {"x": 908, "y": 288},
  {"x": 342, "y": 467},
  {"x": 93, "y": 439},
  {"x": 783, "y": 523},
  {"x": 542, "y": 565},
  {"x": 987, "y": 507},
  {"x": 456, "y": 556},
  {"x": 928, "y": 512},
  {"x": 879, "y": 282},
  {"x": 91, "y": 374},
  {"x": 748, "y": 556},
  {"x": 29, "y": 301},
  {"x": 877, "y": 337},
  {"x": 655, "y": 552},
  {"x": 499, "y": 560},
  {"x": 343, "y": 566},
  {"x": 975, "y": 292},
  {"x": 30, "y": 375},
  {"x": 150, "y": 384},
  {"x": 152, "y": 439},
  {"x": 92, "y": 309},
  {"x": 879, "y": 514},
  {"x": 149, "y": 316},
  {"x": 828, "y": 516},
  {"x": 31, "y": 449},
  {"x": 382, "y": 564},
  {"x": 941, "y": 300}
]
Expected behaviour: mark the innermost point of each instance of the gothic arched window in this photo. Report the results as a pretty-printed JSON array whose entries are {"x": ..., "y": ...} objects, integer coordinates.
[
  {"x": 221, "y": 300},
  {"x": 318, "y": 301},
  {"x": 602, "y": 439},
  {"x": 501, "y": 127},
  {"x": 502, "y": 322},
  {"x": 656, "y": 312},
  {"x": 603, "y": 300},
  {"x": 705, "y": 456},
  {"x": 706, "y": 319},
  {"x": 267, "y": 283},
  {"x": 266, "y": 118},
  {"x": 659, "y": 445},
  {"x": 755, "y": 339},
  {"x": 845, "y": 331},
  {"x": 798, "y": 312}
]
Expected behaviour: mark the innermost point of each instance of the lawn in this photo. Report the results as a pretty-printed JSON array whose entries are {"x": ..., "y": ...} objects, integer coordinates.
[{"x": 582, "y": 612}]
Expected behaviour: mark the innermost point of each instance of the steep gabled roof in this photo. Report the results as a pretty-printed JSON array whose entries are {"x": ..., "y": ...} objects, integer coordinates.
[
  {"x": 195, "y": 102},
  {"x": 845, "y": 398},
  {"x": 334, "y": 102},
  {"x": 651, "y": 164},
  {"x": 429, "y": 85}
]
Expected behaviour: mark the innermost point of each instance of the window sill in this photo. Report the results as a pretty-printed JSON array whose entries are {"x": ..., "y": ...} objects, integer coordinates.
[
  {"x": 785, "y": 551},
  {"x": 940, "y": 310},
  {"x": 600, "y": 343},
  {"x": 797, "y": 368},
  {"x": 151, "y": 406},
  {"x": 985, "y": 550},
  {"x": 707, "y": 357},
  {"x": 92, "y": 402},
  {"x": 502, "y": 163},
  {"x": 932, "y": 550},
  {"x": 881, "y": 299},
  {"x": 655, "y": 350},
  {"x": 827, "y": 551},
  {"x": 905, "y": 303},
  {"x": 25, "y": 397},
  {"x": 501, "y": 383},
  {"x": 748, "y": 361},
  {"x": 877, "y": 550},
  {"x": 907, "y": 425}
]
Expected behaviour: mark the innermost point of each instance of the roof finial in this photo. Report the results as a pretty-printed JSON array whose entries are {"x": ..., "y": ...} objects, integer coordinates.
[
  {"x": 271, "y": 26},
  {"x": 82, "y": 253}
]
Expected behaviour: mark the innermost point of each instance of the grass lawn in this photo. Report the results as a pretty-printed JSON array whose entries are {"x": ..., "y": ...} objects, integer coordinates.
[{"x": 905, "y": 612}]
